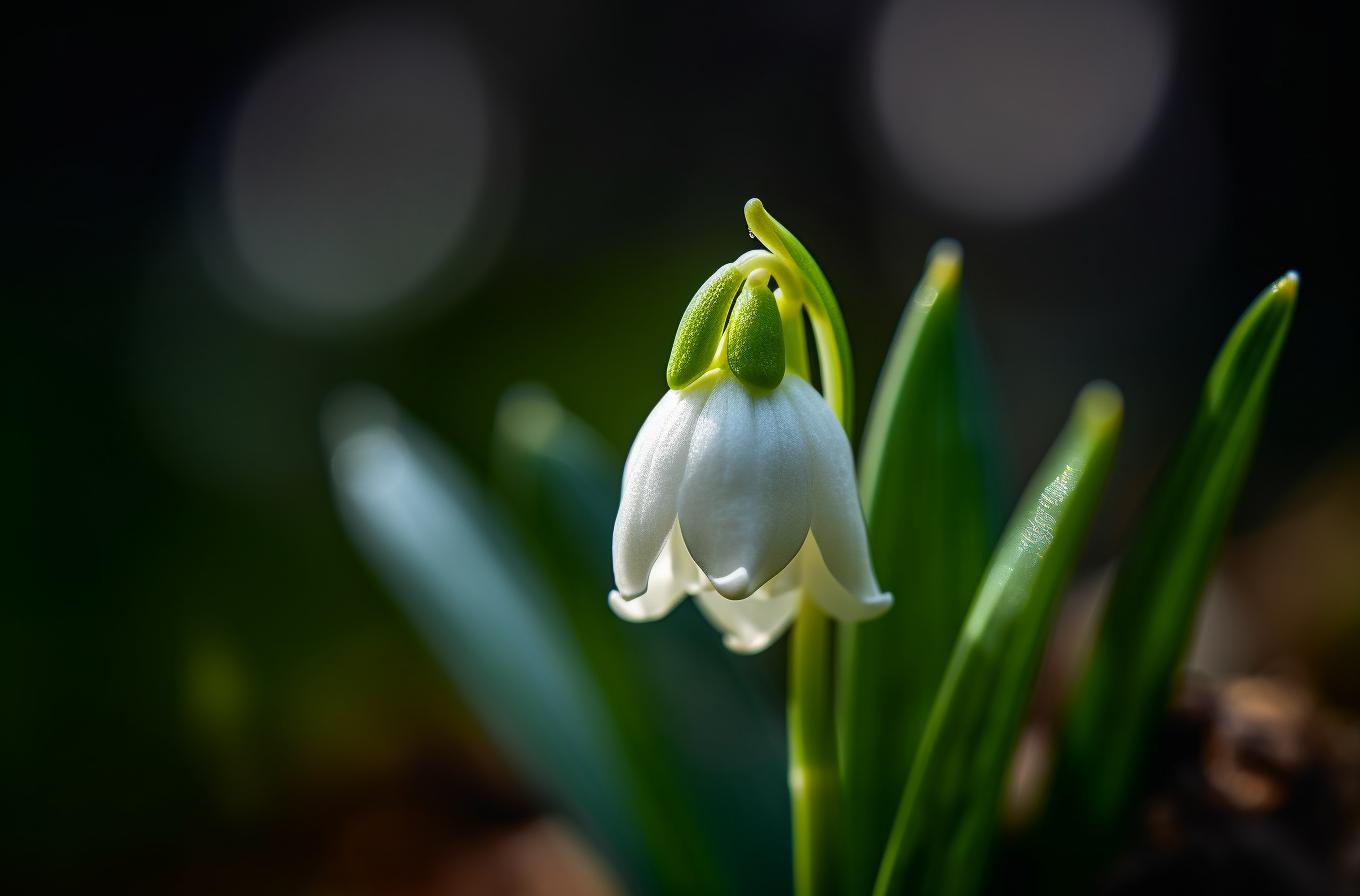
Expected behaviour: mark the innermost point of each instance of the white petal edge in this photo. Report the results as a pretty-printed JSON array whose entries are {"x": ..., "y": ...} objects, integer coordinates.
[
  {"x": 745, "y": 503},
  {"x": 833, "y": 597},
  {"x": 651, "y": 482},
  {"x": 841, "y": 543},
  {"x": 673, "y": 576},
  {"x": 752, "y": 624}
]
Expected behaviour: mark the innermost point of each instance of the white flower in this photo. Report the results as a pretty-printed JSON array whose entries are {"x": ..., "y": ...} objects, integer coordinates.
[{"x": 746, "y": 498}]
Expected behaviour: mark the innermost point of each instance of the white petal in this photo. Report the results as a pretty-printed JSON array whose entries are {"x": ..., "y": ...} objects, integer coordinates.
[
  {"x": 651, "y": 481},
  {"x": 645, "y": 440},
  {"x": 831, "y": 595},
  {"x": 673, "y": 576},
  {"x": 840, "y": 548},
  {"x": 752, "y": 624},
  {"x": 745, "y": 504}
]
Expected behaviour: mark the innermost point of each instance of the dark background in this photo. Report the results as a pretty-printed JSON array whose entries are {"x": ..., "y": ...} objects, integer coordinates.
[{"x": 168, "y": 512}]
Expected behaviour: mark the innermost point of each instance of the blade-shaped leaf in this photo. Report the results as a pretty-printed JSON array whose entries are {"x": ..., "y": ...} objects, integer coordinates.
[
  {"x": 714, "y": 817},
  {"x": 1151, "y": 610},
  {"x": 928, "y": 486},
  {"x": 422, "y": 523},
  {"x": 945, "y": 826}
]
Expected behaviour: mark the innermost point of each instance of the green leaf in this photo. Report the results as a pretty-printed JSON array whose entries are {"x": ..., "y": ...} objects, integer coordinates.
[
  {"x": 1147, "y": 622},
  {"x": 423, "y": 524},
  {"x": 933, "y": 514},
  {"x": 945, "y": 826},
  {"x": 710, "y": 815}
]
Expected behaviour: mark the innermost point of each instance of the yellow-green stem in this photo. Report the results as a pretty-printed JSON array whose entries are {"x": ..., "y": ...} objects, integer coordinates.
[
  {"x": 814, "y": 768},
  {"x": 813, "y": 771}
]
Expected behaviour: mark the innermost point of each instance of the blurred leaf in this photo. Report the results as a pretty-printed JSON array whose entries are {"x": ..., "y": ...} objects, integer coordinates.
[
  {"x": 562, "y": 480},
  {"x": 1150, "y": 614},
  {"x": 704, "y": 750},
  {"x": 423, "y": 525},
  {"x": 944, "y": 829},
  {"x": 933, "y": 514}
]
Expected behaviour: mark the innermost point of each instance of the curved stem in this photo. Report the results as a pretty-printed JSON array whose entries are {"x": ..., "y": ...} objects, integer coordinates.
[
  {"x": 814, "y": 773},
  {"x": 795, "y": 334},
  {"x": 834, "y": 368},
  {"x": 828, "y": 326}
]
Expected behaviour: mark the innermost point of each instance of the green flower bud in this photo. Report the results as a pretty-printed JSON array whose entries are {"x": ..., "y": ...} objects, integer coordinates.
[
  {"x": 755, "y": 338},
  {"x": 700, "y": 330}
]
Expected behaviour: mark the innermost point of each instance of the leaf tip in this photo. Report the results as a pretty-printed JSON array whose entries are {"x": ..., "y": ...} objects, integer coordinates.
[
  {"x": 944, "y": 265},
  {"x": 1100, "y": 406},
  {"x": 1287, "y": 287}
]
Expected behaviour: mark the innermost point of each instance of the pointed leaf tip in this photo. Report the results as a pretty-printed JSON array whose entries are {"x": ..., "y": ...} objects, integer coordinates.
[
  {"x": 1122, "y": 693},
  {"x": 1287, "y": 287},
  {"x": 944, "y": 265},
  {"x": 926, "y": 451},
  {"x": 945, "y": 827},
  {"x": 1100, "y": 406}
]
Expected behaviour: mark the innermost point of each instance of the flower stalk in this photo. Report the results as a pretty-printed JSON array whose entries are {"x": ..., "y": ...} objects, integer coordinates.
[
  {"x": 814, "y": 768},
  {"x": 740, "y": 490},
  {"x": 814, "y": 777}
]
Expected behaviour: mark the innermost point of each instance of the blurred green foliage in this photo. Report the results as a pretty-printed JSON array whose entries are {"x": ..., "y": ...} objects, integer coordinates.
[{"x": 630, "y": 731}]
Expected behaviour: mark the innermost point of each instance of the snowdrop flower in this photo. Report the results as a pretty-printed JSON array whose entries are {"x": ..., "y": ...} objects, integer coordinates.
[{"x": 740, "y": 487}]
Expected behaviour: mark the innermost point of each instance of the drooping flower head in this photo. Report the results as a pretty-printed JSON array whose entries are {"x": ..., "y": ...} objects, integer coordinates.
[{"x": 740, "y": 486}]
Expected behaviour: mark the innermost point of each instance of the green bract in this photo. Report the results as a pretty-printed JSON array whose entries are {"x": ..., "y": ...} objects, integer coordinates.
[
  {"x": 755, "y": 338},
  {"x": 824, "y": 312},
  {"x": 701, "y": 327}
]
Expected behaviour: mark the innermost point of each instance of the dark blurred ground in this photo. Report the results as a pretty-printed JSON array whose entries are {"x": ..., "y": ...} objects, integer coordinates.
[{"x": 192, "y": 652}]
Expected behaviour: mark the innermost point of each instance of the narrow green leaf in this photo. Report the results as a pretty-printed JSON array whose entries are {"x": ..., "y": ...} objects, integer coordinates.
[
  {"x": 427, "y": 530},
  {"x": 931, "y": 507},
  {"x": 945, "y": 826},
  {"x": 1152, "y": 604},
  {"x": 710, "y": 814}
]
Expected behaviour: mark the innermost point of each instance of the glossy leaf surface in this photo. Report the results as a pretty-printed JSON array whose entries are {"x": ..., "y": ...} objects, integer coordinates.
[
  {"x": 1150, "y": 615},
  {"x": 942, "y": 837}
]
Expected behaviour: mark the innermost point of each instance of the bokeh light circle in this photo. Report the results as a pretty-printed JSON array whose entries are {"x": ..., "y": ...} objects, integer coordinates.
[
  {"x": 356, "y": 163},
  {"x": 1008, "y": 109}
]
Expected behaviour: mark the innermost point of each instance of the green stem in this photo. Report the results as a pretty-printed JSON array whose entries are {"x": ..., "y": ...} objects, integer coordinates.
[
  {"x": 813, "y": 771},
  {"x": 828, "y": 326},
  {"x": 835, "y": 383}
]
